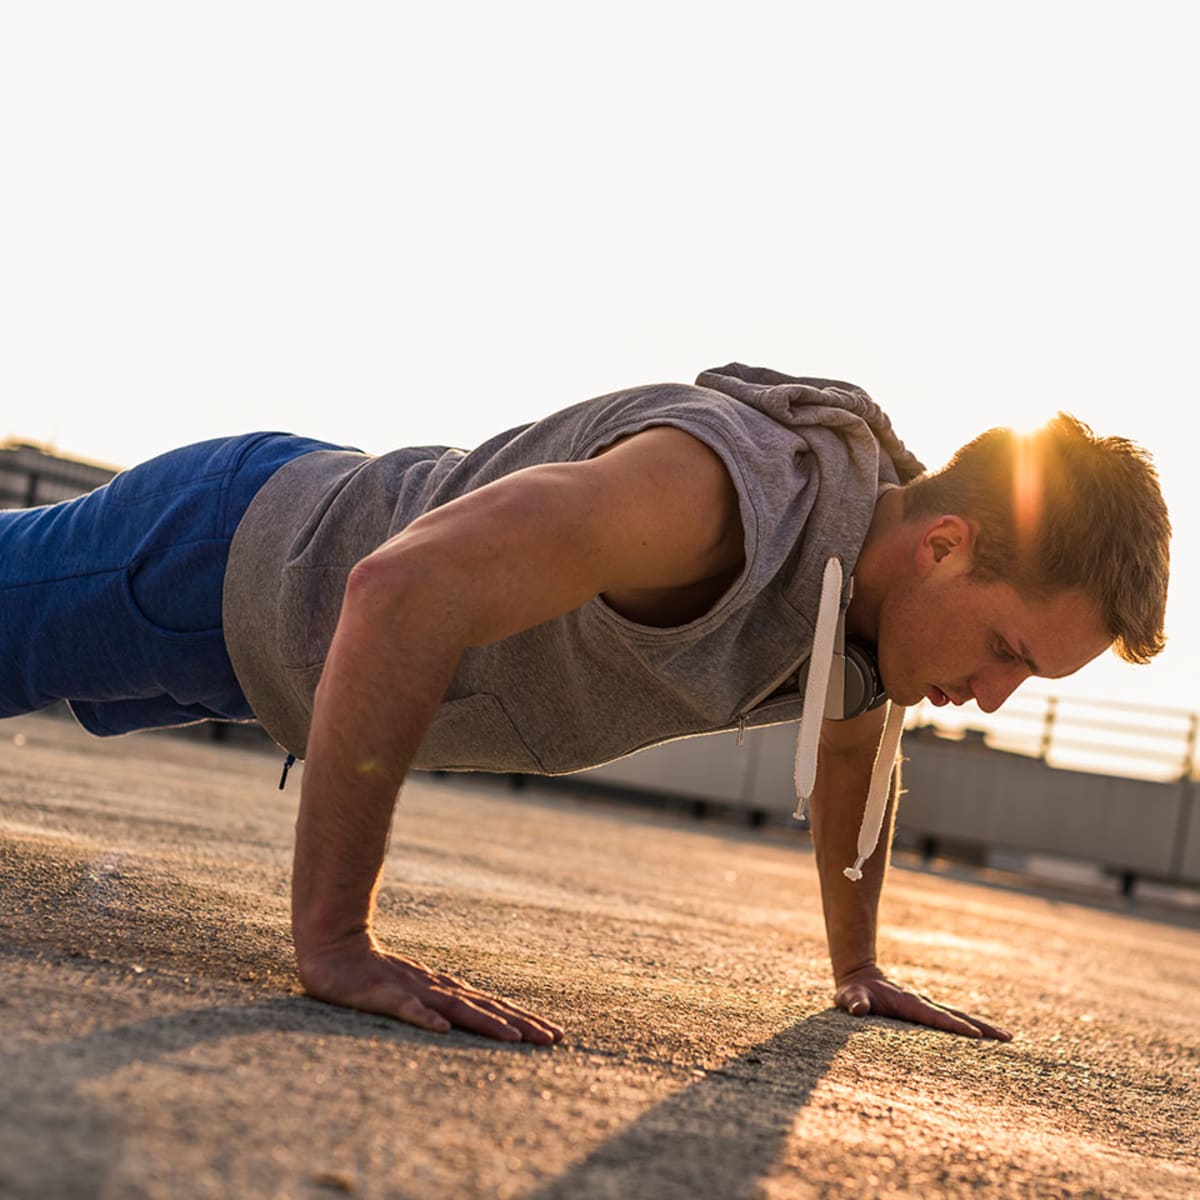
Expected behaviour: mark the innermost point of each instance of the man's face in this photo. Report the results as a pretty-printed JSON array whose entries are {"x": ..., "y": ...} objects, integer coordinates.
[{"x": 949, "y": 638}]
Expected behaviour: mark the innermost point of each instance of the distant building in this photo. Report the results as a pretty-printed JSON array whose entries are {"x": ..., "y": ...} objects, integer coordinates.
[{"x": 31, "y": 475}]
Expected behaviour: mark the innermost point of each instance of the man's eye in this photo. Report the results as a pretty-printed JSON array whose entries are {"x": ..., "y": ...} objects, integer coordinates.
[{"x": 1004, "y": 652}]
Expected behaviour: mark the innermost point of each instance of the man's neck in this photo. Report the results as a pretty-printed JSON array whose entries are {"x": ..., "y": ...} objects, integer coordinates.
[{"x": 879, "y": 562}]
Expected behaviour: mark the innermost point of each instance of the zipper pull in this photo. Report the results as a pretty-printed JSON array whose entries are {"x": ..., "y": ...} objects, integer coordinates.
[
  {"x": 291, "y": 758},
  {"x": 741, "y": 734}
]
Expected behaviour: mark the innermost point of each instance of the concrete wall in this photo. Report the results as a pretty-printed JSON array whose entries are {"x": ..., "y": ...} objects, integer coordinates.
[
  {"x": 964, "y": 791},
  {"x": 958, "y": 791}
]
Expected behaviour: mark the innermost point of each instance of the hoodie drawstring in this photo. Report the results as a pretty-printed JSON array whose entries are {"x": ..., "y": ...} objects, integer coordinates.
[
  {"x": 877, "y": 795},
  {"x": 816, "y": 690},
  {"x": 816, "y": 687}
]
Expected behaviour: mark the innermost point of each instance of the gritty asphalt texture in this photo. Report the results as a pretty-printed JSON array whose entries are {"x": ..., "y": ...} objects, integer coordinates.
[{"x": 154, "y": 1042}]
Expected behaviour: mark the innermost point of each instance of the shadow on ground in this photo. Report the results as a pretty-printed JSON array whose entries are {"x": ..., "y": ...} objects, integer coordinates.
[
  {"x": 48, "y": 1084},
  {"x": 716, "y": 1137},
  {"x": 721, "y": 1135}
]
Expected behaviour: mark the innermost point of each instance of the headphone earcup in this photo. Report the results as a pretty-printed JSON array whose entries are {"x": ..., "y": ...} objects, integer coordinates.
[{"x": 863, "y": 689}]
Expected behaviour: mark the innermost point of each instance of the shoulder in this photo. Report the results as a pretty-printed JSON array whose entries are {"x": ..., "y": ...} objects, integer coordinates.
[
  {"x": 728, "y": 425},
  {"x": 668, "y": 479}
]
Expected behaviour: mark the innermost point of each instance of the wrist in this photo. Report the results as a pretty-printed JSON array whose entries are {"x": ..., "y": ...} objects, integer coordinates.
[
  {"x": 857, "y": 972},
  {"x": 315, "y": 934},
  {"x": 327, "y": 912}
]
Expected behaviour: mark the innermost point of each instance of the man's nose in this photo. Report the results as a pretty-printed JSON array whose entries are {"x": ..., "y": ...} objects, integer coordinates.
[{"x": 992, "y": 687}]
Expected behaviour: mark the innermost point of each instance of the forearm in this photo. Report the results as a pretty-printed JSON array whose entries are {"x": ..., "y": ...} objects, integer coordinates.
[
  {"x": 851, "y": 908},
  {"x": 836, "y": 811},
  {"x": 384, "y": 677}
]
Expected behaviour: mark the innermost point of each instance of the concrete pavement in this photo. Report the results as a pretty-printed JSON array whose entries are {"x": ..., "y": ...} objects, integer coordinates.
[{"x": 153, "y": 1042}]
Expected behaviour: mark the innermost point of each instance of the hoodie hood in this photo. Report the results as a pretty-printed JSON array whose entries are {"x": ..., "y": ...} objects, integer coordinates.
[
  {"x": 808, "y": 405},
  {"x": 801, "y": 402},
  {"x": 845, "y": 453}
]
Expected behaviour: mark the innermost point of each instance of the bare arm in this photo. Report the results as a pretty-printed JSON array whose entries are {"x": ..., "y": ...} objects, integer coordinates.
[
  {"x": 843, "y": 776},
  {"x": 851, "y": 909},
  {"x": 657, "y": 511}
]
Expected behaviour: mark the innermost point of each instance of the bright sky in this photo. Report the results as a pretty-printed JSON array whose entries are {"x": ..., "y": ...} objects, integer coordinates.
[{"x": 392, "y": 223}]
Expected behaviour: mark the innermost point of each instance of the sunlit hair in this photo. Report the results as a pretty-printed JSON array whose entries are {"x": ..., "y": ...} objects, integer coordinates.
[{"x": 1061, "y": 509}]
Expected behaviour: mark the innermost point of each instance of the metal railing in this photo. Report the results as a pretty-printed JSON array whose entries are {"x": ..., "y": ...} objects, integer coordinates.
[
  {"x": 31, "y": 475},
  {"x": 1114, "y": 738}
]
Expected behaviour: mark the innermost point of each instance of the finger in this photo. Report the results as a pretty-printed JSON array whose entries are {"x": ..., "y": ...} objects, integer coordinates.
[
  {"x": 533, "y": 1028},
  {"x": 988, "y": 1031},
  {"x": 466, "y": 1014},
  {"x": 449, "y": 982},
  {"x": 391, "y": 1001},
  {"x": 925, "y": 1012},
  {"x": 411, "y": 1010},
  {"x": 530, "y": 1029},
  {"x": 441, "y": 992},
  {"x": 855, "y": 1000},
  {"x": 524, "y": 1019}
]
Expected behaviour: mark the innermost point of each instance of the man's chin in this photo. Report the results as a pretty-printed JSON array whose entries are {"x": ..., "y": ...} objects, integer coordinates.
[
  {"x": 905, "y": 692},
  {"x": 906, "y": 695}
]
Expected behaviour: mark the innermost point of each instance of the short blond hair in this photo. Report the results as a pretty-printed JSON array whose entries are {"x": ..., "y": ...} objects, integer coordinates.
[{"x": 1061, "y": 509}]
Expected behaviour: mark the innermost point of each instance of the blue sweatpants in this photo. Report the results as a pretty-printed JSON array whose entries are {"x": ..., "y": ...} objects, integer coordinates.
[{"x": 112, "y": 601}]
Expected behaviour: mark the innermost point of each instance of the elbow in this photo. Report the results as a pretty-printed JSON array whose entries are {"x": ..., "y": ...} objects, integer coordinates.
[
  {"x": 390, "y": 589},
  {"x": 374, "y": 585},
  {"x": 401, "y": 591}
]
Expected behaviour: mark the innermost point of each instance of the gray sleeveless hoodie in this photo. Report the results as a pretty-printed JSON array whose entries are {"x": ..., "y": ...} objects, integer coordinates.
[{"x": 807, "y": 457}]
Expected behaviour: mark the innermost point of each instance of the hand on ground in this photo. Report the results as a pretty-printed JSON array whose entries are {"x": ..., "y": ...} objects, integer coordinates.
[
  {"x": 357, "y": 974},
  {"x": 869, "y": 991}
]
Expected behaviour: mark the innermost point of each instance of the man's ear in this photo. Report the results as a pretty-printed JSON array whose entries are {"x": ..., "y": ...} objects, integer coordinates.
[{"x": 946, "y": 546}]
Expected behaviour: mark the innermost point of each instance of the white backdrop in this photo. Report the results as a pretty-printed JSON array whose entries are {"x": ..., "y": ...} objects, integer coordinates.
[{"x": 391, "y": 223}]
